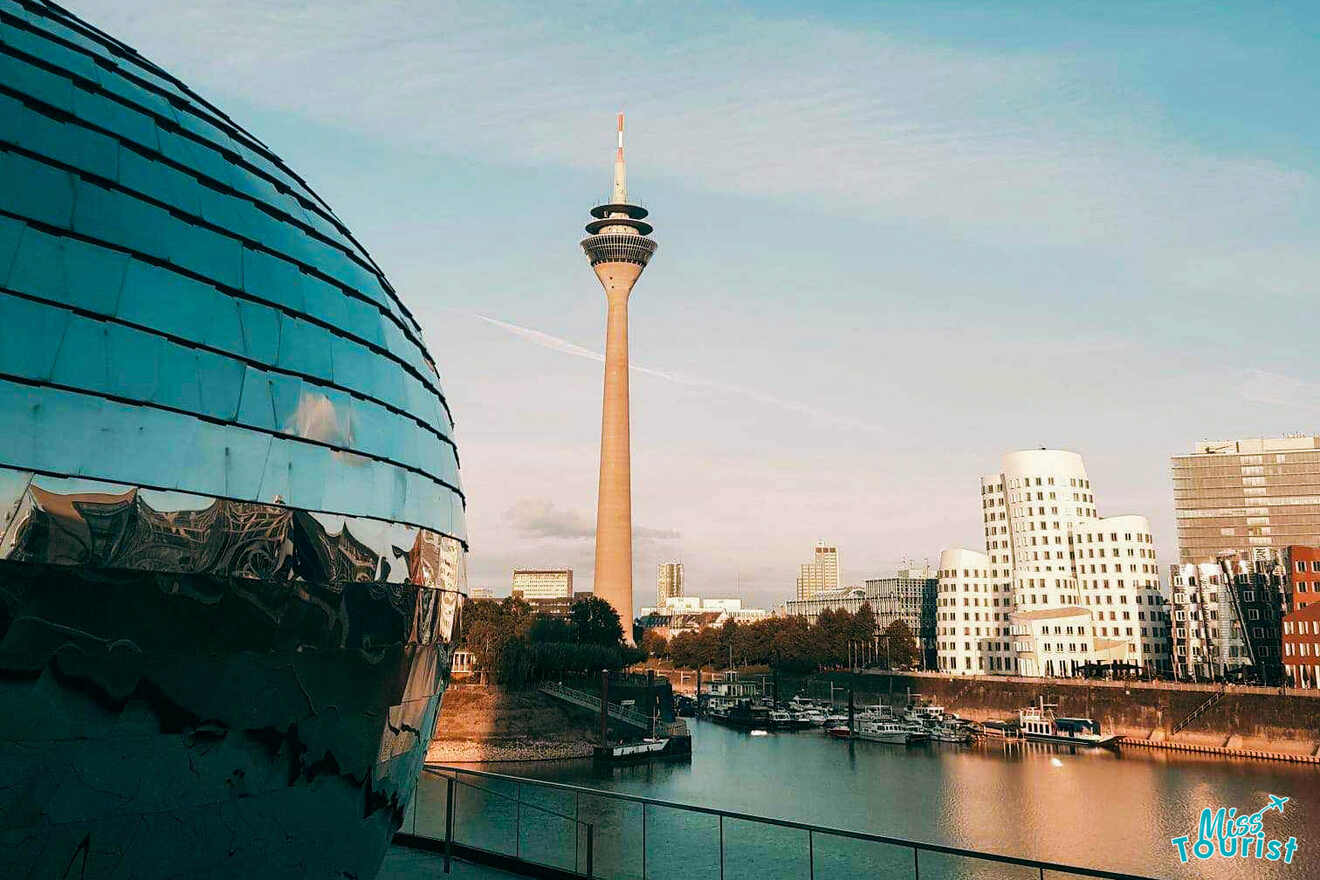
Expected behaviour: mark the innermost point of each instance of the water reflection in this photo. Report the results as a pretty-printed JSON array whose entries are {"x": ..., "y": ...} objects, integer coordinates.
[{"x": 1088, "y": 807}]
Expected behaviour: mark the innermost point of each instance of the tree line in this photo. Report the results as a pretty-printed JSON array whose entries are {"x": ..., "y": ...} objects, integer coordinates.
[
  {"x": 793, "y": 644},
  {"x": 515, "y": 646}
]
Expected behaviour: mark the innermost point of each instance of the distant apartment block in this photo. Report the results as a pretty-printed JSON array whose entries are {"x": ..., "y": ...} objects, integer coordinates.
[
  {"x": 1301, "y": 646},
  {"x": 821, "y": 574},
  {"x": 557, "y": 606},
  {"x": 850, "y": 599},
  {"x": 1238, "y": 495},
  {"x": 1303, "y": 565},
  {"x": 691, "y": 613},
  {"x": 543, "y": 583},
  {"x": 914, "y": 595},
  {"x": 668, "y": 581},
  {"x": 1058, "y": 588}
]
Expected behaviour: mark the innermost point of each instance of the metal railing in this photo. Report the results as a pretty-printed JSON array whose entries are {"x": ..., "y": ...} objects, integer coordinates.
[
  {"x": 737, "y": 844},
  {"x": 631, "y": 717}
]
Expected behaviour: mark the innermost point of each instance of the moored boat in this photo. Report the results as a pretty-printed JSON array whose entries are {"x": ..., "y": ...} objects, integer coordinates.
[
  {"x": 1039, "y": 723},
  {"x": 886, "y": 732}
]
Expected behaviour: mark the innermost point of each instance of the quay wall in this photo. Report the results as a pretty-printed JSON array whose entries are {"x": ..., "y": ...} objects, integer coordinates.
[
  {"x": 481, "y": 723},
  {"x": 1245, "y": 719},
  {"x": 487, "y": 723}
]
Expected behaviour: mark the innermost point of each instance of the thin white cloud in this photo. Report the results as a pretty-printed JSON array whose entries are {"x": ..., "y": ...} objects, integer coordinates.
[
  {"x": 1276, "y": 389},
  {"x": 1006, "y": 147},
  {"x": 554, "y": 343}
]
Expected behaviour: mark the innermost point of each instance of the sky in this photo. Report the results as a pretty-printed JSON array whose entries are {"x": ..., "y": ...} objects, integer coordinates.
[{"x": 897, "y": 240}]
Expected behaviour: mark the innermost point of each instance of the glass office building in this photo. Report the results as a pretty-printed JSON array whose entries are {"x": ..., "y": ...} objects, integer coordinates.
[{"x": 232, "y": 544}]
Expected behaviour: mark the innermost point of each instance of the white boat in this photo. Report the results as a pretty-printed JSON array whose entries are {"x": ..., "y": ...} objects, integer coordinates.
[
  {"x": 885, "y": 732},
  {"x": 917, "y": 731},
  {"x": 638, "y": 749},
  {"x": 1039, "y": 723},
  {"x": 951, "y": 733}
]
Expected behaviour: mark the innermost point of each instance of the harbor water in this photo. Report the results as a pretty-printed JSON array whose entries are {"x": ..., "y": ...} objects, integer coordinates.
[{"x": 1088, "y": 807}]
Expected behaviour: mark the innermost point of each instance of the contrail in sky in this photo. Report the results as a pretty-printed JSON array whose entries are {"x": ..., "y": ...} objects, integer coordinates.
[{"x": 554, "y": 343}]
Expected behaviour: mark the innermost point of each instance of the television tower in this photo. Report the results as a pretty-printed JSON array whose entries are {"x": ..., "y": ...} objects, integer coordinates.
[{"x": 618, "y": 247}]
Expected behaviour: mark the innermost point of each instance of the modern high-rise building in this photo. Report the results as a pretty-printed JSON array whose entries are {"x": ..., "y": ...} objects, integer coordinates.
[
  {"x": 618, "y": 246},
  {"x": 543, "y": 583},
  {"x": 821, "y": 573},
  {"x": 1058, "y": 587},
  {"x": 1228, "y": 617},
  {"x": 1241, "y": 495},
  {"x": 913, "y": 593},
  {"x": 668, "y": 581}
]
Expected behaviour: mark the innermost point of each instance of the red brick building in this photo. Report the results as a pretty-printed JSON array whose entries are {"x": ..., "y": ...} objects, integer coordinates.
[
  {"x": 1301, "y": 646},
  {"x": 1303, "y": 577}
]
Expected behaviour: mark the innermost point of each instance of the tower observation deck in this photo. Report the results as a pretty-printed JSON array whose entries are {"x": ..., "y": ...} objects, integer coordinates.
[{"x": 618, "y": 247}]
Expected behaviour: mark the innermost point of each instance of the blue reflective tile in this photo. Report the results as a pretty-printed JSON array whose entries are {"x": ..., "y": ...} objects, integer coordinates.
[
  {"x": 113, "y": 116},
  {"x": 285, "y": 393},
  {"x": 261, "y": 331},
  {"x": 83, "y": 360},
  {"x": 244, "y": 459},
  {"x": 159, "y": 181},
  {"x": 306, "y": 348},
  {"x": 35, "y": 190},
  {"x": 32, "y": 352},
  {"x": 273, "y": 279},
  {"x": 49, "y": 51},
  {"x": 206, "y": 252},
  {"x": 72, "y": 144},
  {"x": 255, "y": 407},
  {"x": 50, "y": 88},
  {"x": 119, "y": 219},
  {"x": 11, "y": 233},
  {"x": 221, "y": 380},
  {"x": 177, "y": 384},
  {"x": 133, "y": 361},
  {"x": 68, "y": 271},
  {"x": 156, "y": 297}
]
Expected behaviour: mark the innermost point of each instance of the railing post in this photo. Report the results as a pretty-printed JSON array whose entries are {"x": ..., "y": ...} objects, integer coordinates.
[
  {"x": 590, "y": 835},
  {"x": 811, "y": 855},
  {"x": 449, "y": 823},
  {"x": 643, "y": 840},
  {"x": 916, "y": 864},
  {"x": 721, "y": 846},
  {"x": 517, "y": 821}
]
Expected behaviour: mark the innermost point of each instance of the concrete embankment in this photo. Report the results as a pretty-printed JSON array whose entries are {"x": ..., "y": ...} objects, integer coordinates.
[
  {"x": 483, "y": 724},
  {"x": 1243, "y": 722}
]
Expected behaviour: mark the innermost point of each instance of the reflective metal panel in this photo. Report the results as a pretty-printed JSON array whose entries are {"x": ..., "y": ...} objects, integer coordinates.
[{"x": 232, "y": 539}]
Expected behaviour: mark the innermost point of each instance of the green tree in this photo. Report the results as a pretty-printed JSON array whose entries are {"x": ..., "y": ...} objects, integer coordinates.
[
  {"x": 595, "y": 622},
  {"x": 654, "y": 644},
  {"x": 545, "y": 629},
  {"x": 902, "y": 645}
]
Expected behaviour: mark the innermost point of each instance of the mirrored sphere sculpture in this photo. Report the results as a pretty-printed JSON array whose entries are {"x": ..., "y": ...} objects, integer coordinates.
[{"x": 232, "y": 544}]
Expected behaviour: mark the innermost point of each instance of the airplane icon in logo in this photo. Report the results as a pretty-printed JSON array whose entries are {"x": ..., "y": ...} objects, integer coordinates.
[{"x": 1276, "y": 803}]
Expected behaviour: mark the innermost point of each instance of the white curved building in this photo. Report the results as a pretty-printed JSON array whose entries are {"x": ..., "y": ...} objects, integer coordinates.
[{"x": 1058, "y": 570}]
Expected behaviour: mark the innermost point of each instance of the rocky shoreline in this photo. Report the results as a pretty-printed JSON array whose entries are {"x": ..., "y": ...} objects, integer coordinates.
[{"x": 451, "y": 752}]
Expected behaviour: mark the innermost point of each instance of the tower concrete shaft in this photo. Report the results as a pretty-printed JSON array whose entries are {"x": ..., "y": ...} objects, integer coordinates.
[{"x": 618, "y": 247}]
